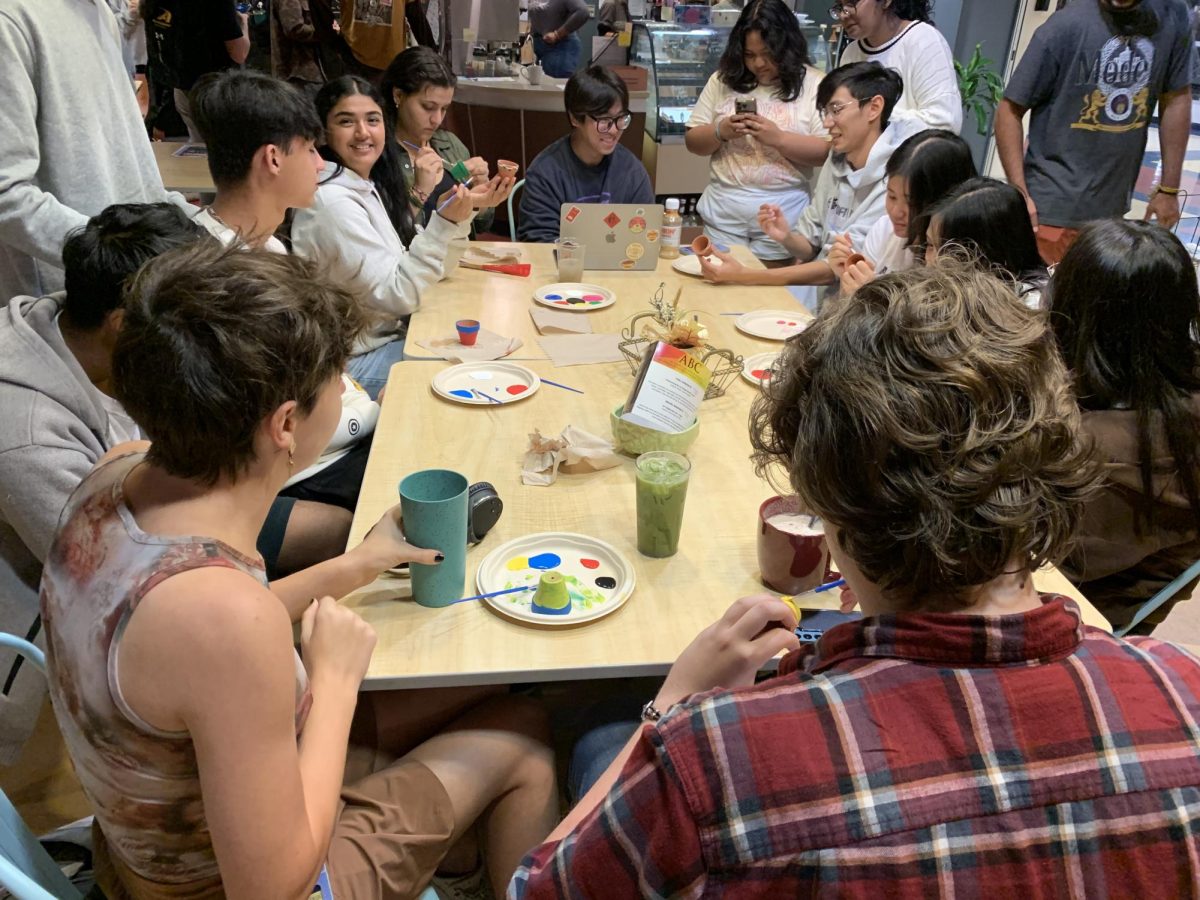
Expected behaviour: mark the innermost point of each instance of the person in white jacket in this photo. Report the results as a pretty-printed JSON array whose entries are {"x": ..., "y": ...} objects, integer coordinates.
[
  {"x": 856, "y": 102},
  {"x": 363, "y": 212},
  {"x": 898, "y": 34}
]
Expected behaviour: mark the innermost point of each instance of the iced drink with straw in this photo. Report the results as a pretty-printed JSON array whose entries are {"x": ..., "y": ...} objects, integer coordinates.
[{"x": 662, "y": 481}]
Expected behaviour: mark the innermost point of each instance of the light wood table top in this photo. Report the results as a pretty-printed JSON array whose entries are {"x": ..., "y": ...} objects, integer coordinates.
[
  {"x": 674, "y": 598},
  {"x": 186, "y": 174},
  {"x": 502, "y": 303}
]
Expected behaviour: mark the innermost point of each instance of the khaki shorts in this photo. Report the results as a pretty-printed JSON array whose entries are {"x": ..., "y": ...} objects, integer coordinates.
[{"x": 393, "y": 829}]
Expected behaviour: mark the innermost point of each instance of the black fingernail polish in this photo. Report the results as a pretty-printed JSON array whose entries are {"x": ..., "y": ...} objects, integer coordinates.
[{"x": 439, "y": 557}]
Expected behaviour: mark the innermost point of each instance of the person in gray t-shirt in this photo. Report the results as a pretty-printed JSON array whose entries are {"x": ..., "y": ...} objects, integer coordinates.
[
  {"x": 1091, "y": 78},
  {"x": 554, "y": 24}
]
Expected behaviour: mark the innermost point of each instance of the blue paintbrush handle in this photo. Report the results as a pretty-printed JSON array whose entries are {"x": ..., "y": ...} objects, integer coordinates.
[{"x": 493, "y": 594}]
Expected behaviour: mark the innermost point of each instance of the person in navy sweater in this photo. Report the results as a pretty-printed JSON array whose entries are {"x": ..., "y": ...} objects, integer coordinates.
[{"x": 589, "y": 165}]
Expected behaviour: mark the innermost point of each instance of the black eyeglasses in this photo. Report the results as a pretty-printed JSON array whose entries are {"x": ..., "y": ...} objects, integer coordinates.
[
  {"x": 605, "y": 124},
  {"x": 840, "y": 10}
]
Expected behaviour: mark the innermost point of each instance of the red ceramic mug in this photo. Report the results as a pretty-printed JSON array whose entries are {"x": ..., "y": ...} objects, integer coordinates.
[{"x": 792, "y": 555}]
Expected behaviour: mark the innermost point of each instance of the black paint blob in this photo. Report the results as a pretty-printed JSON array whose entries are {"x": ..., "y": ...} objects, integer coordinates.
[{"x": 605, "y": 582}]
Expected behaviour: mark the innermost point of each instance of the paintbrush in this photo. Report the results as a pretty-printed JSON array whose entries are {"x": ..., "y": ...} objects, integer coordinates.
[
  {"x": 494, "y": 594},
  {"x": 487, "y": 397}
]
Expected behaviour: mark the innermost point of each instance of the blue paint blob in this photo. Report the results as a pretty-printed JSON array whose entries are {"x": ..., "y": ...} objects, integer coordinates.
[
  {"x": 554, "y": 296},
  {"x": 605, "y": 582},
  {"x": 466, "y": 394},
  {"x": 547, "y": 611},
  {"x": 545, "y": 561}
]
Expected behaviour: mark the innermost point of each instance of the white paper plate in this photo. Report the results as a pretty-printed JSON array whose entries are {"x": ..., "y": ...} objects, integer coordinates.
[
  {"x": 575, "y": 297},
  {"x": 689, "y": 264},
  {"x": 772, "y": 324},
  {"x": 504, "y": 382},
  {"x": 491, "y": 255},
  {"x": 754, "y": 367},
  {"x": 599, "y": 578}
]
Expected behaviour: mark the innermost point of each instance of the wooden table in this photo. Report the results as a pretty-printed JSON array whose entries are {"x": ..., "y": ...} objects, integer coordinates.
[
  {"x": 186, "y": 174},
  {"x": 674, "y": 599},
  {"x": 502, "y": 303}
]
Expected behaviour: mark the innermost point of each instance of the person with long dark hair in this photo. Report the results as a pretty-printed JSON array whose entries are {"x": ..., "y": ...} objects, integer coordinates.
[
  {"x": 757, "y": 121},
  {"x": 417, "y": 90},
  {"x": 988, "y": 219},
  {"x": 920, "y": 173},
  {"x": 1126, "y": 311},
  {"x": 359, "y": 221},
  {"x": 900, "y": 35}
]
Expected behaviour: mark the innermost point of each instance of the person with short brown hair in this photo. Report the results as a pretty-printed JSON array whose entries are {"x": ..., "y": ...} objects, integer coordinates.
[
  {"x": 969, "y": 737},
  {"x": 216, "y": 759}
]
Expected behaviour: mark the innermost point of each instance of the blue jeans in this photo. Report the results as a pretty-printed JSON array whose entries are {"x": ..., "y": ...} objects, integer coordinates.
[
  {"x": 371, "y": 369},
  {"x": 559, "y": 60}
]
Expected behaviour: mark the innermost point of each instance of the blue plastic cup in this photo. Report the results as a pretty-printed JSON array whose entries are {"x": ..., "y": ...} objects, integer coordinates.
[{"x": 433, "y": 506}]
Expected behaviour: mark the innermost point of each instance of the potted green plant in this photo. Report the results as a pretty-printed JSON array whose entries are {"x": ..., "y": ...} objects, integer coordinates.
[{"x": 981, "y": 87}]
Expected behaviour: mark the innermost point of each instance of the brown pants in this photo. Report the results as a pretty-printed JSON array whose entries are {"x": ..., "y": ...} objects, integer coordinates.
[{"x": 1053, "y": 242}]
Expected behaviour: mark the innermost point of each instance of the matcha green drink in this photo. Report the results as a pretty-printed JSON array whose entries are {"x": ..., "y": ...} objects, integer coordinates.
[{"x": 662, "y": 480}]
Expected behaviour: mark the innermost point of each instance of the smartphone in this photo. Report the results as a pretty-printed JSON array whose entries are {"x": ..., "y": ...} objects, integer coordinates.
[
  {"x": 745, "y": 105},
  {"x": 815, "y": 622}
]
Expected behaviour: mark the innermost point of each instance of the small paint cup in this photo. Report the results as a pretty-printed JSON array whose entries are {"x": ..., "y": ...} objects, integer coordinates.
[
  {"x": 702, "y": 246},
  {"x": 854, "y": 258},
  {"x": 507, "y": 167},
  {"x": 792, "y": 554},
  {"x": 468, "y": 331}
]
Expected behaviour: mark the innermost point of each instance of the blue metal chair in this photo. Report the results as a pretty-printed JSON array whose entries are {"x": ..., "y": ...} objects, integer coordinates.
[
  {"x": 512, "y": 220},
  {"x": 26, "y": 869},
  {"x": 1189, "y": 574}
]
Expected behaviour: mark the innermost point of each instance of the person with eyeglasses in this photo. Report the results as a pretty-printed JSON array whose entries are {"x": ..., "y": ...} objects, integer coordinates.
[
  {"x": 899, "y": 34},
  {"x": 856, "y": 103},
  {"x": 589, "y": 165},
  {"x": 769, "y": 154}
]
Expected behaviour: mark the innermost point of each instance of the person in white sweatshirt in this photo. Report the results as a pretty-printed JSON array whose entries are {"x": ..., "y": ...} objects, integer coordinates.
[
  {"x": 898, "y": 34},
  {"x": 855, "y": 102},
  {"x": 361, "y": 226}
]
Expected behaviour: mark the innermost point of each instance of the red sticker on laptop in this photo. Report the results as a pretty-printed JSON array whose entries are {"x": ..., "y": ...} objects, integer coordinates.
[
  {"x": 612, "y": 220},
  {"x": 573, "y": 213}
]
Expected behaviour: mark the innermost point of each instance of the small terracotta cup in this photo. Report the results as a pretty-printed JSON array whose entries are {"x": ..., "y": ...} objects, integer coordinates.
[
  {"x": 789, "y": 563},
  {"x": 507, "y": 167},
  {"x": 468, "y": 331},
  {"x": 854, "y": 258},
  {"x": 701, "y": 246}
]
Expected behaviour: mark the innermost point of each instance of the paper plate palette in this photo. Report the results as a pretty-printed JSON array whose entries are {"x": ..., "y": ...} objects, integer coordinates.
[
  {"x": 575, "y": 297},
  {"x": 599, "y": 579},
  {"x": 689, "y": 264},
  {"x": 772, "y": 324},
  {"x": 485, "y": 383},
  {"x": 757, "y": 369}
]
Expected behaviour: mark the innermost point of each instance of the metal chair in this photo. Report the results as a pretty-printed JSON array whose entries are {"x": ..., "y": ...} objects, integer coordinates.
[
  {"x": 26, "y": 869},
  {"x": 512, "y": 220},
  {"x": 1189, "y": 574}
]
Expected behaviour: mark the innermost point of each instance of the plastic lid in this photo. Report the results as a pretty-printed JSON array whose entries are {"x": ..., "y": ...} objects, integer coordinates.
[{"x": 672, "y": 203}]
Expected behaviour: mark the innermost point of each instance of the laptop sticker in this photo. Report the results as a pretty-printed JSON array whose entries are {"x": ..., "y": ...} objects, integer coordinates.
[
  {"x": 612, "y": 220},
  {"x": 573, "y": 213}
]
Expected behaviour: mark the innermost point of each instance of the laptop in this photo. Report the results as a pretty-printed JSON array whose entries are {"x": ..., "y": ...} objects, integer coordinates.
[{"x": 615, "y": 236}]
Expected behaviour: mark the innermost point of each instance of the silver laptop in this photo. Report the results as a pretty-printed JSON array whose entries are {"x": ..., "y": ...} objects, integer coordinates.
[{"x": 620, "y": 236}]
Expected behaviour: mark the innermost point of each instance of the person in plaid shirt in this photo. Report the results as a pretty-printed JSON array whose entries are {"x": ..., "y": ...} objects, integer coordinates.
[{"x": 967, "y": 738}]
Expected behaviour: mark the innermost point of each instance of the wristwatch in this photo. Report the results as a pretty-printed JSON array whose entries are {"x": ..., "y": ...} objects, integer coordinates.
[{"x": 650, "y": 712}]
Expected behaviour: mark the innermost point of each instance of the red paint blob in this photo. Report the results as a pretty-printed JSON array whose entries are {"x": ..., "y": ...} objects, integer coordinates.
[
  {"x": 517, "y": 389},
  {"x": 761, "y": 374},
  {"x": 590, "y": 563}
]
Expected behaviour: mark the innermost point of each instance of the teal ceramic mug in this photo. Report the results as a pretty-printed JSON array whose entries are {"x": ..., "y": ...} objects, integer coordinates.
[{"x": 433, "y": 506}]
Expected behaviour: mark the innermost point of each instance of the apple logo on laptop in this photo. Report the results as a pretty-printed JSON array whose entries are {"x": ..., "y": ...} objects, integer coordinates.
[{"x": 610, "y": 238}]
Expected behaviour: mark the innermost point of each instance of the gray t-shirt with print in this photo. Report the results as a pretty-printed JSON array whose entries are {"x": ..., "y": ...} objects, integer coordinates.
[{"x": 1091, "y": 81}]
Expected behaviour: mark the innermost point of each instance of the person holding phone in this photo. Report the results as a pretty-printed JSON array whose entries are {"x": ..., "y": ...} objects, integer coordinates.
[{"x": 757, "y": 121}]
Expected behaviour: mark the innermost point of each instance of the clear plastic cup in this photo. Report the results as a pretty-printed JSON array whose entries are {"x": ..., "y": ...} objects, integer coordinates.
[{"x": 570, "y": 259}]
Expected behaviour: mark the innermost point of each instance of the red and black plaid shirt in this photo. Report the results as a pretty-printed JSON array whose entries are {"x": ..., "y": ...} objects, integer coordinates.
[{"x": 914, "y": 756}]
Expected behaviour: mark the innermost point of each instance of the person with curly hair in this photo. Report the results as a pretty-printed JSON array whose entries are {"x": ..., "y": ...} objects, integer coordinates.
[
  {"x": 757, "y": 121},
  {"x": 1126, "y": 311},
  {"x": 951, "y": 742},
  {"x": 899, "y": 34}
]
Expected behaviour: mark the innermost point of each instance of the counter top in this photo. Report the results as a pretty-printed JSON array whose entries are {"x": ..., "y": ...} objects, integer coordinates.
[{"x": 512, "y": 92}]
